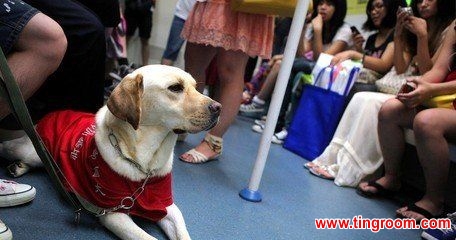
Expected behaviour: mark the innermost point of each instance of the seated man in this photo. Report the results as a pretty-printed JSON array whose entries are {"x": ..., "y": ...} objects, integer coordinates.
[
  {"x": 34, "y": 45},
  {"x": 78, "y": 83}
]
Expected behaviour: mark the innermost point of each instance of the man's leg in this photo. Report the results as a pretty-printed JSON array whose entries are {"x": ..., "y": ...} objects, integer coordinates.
[
  {"x": 79, "y": 81},
  {"x": 145, "y": 29},
  {"x": 36, "y": 54},
  {"x": 145, "y": 51}
]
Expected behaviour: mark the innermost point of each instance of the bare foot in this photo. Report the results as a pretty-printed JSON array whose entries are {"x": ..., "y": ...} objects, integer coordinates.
[{"x": 246, "y": 98}]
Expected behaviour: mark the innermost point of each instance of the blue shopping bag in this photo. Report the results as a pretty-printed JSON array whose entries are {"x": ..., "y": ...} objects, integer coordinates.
[{"x": 317, "y": 115}]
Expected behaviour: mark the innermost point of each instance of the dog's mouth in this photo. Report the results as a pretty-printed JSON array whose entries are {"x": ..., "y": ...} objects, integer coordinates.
[
  {"x": 214, "y": 121},
  {"x": 179, "y": 131},
  {"x": 199, "y": 126}
]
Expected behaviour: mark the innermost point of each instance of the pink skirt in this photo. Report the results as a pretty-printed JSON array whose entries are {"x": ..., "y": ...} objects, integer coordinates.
[{"x": 214, "y": 23}]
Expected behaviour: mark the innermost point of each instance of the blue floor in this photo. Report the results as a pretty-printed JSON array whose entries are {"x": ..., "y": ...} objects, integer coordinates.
[{"x": 208, "y": 198}]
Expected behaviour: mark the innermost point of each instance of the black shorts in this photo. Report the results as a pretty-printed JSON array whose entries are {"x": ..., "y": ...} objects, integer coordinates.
[{"x": 139, "y": 17}]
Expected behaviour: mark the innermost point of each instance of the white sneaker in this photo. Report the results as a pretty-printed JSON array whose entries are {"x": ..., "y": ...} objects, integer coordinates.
[
  {"x": 259, "y": 128},
  {"x": 279, "y": 137},
  {"x": 13, "y": 193},
  {"x": 251, "y": 108},
  {"x": 5, "y": 232},
  {"x": 260, "y": 122}
]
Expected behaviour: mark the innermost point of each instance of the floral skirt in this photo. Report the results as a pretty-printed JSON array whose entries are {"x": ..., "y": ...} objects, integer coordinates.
[{"x": 214, "y": 23}]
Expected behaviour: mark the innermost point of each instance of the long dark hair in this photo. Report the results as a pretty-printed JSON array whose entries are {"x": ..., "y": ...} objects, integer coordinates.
[
  {"x": 336, "y": 21},
  {"x": 389, "y": 21},
  {"x": 443, "y": 18}
]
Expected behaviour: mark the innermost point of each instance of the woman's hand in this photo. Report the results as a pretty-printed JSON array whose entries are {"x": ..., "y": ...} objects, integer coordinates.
[
  {"x": 274, "y": 59},
  {"x": 358, "y": 41},
  {"x": 416, "y": 26},
  {"x": 421, "y": 93},
  {"x": 317, "y": 23},
  {"x": 401, "y": 17},
  {"x": 342, "y": 56}
]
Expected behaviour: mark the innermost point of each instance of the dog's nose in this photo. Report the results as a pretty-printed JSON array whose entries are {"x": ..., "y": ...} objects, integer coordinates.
[{"x": 215, "y": 107}]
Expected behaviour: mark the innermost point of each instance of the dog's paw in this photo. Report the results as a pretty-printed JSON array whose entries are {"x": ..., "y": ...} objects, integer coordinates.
[
  {"x": 183, "y": 235},
  {"x": 18, "y": 169},
  {"x": 186, "y": 238}
]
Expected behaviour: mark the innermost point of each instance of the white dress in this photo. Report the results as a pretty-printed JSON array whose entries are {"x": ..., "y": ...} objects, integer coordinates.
[{"x": 354, "y": 151}]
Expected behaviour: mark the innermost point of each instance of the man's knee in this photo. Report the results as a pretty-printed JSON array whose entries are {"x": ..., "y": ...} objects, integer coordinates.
[
  {"x": 144, "y": 41},
  {"x": 57, "y": 45},
  {"x": 45, "y": 38}
]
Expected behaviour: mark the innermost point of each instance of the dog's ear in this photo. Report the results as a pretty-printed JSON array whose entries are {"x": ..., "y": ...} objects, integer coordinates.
[{"x": 125, "y": 100}]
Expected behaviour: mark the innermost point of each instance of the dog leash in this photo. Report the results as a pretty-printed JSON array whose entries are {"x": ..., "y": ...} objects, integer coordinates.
[{"x": 11, "y": 93}]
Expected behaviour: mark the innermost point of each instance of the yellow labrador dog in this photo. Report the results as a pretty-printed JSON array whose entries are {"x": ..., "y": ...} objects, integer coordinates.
[{"x": 121, "y": 158}]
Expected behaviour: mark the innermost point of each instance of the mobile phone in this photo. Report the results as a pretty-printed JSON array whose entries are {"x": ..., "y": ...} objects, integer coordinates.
[
  {"x": 354, "y": 30},
  {"x": 408, "y": 10},
  {"x": 406, "y": 88}
]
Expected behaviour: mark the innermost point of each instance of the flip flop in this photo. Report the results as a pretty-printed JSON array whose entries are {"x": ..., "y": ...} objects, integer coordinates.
[
  {"x": 381, "y": 191},
  {"x": 414, "y": 208}
]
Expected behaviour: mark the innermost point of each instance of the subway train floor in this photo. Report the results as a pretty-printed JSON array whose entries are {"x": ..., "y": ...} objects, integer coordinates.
[{"x": 207, "y": 195}]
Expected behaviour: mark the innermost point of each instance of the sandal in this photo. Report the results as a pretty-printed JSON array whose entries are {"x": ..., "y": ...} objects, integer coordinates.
[
  {"x": 309, "y": 165},
  {"x": 215, "y": 144},
  {"x": 322, "y": 172},
  {"x": 381, "y": 191},
  {"x": 414, "y": 208}
]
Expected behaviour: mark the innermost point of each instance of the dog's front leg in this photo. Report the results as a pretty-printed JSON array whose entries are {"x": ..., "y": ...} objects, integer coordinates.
[
  {"x": 123, "y": 226},
  {"x": 173, "y": 224}
]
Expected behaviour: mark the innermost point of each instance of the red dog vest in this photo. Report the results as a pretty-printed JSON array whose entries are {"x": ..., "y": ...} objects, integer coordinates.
[{"x": 70, "y": 138}]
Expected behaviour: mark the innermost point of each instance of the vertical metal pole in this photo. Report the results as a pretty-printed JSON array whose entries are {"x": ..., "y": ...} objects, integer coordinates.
[{"x": 251, "y": 193}]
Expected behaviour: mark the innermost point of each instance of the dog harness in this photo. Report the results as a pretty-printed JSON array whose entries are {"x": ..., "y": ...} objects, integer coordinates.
[{"x": 70, "y": 138}]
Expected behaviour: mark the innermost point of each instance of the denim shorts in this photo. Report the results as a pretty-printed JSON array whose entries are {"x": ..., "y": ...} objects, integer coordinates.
[
  {"x": 14, "y": 15},
  {"x": 175, "y": 41}
]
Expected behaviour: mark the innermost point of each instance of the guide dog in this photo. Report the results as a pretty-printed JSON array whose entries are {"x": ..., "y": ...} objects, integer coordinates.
[{"x": 121, "y": 159}]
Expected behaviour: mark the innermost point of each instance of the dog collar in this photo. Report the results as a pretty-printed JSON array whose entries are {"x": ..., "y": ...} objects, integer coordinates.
[{"x": 115, "y": 144}]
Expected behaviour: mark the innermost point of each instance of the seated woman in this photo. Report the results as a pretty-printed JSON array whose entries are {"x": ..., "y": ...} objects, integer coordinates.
[
  {"x": 354, "y": 152},
  {"x": 326, "y": 33},
  {"x": 378, "y": 52},
  {"x": 432, "y": 128}
]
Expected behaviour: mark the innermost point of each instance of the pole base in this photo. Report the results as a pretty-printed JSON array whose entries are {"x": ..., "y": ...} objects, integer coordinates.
[{"x": 250, "y": 195}]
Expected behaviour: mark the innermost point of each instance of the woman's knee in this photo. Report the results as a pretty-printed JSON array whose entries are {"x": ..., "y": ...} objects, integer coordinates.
[
  {"x": 390, "y": 110},
  {"x": 276, "y": 66},
  {"x": 231, "y": 69},
  {"x": 228, "y": 75},
  {"x": 427, "y": 124}
]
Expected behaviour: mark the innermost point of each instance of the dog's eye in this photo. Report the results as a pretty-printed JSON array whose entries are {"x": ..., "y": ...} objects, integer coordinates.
[{"x": 176, "y": 88}]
